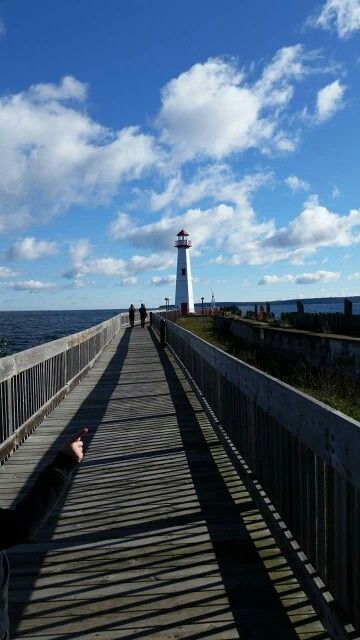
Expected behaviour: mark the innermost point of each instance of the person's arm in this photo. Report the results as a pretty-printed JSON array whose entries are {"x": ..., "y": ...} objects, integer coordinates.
[{"x": 20, "y": 524}]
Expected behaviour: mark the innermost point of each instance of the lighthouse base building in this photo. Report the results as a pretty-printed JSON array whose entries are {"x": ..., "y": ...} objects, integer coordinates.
[{"x": 184, "y": 296}]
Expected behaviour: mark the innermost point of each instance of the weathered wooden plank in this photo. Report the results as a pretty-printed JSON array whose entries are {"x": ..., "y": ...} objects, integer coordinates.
[{"x": 158, "y": 537}]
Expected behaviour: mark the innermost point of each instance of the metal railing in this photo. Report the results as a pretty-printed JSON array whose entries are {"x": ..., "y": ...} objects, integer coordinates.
[
  {"x": 304, "y": 454},
  {"x": 34, "y": 381}
]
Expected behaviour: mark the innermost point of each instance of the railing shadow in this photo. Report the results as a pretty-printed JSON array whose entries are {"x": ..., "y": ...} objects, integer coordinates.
[
  {"x": 156, "y": 575},
  {"x": 257, "y": 610}
]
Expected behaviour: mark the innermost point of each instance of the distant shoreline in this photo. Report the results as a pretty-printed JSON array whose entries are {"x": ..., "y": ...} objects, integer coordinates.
[{"x": 328, "y": 300}]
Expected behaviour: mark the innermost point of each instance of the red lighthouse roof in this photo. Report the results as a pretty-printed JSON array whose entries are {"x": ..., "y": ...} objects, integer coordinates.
[{"x": 182, "y": 233}]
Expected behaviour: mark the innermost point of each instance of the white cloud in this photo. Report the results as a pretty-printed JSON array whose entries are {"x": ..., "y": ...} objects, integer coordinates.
[
  {"x": 215, "y": 182},
  {"x": 341, "y": 15},
  {"x": 212, "y": 109},
  {"x": 223, "y": 226},
  {"x": 84, "y": 264},
  {"x": 55, "y": 156},
  {"x": 128, "y": 282},
  {"x": 79, "y": 250},
  {"x": 5, "y": 272},
  {"x": 31, "y": 249},
  {"x": 335, "y": 192},
  {"x": 31, "y": 285},
  {"x": 355, "y": 276},
  {"x": 158, "y": 281},
  {"x": 318, "y": 276},
  {"x": 104, "y": 266},
  {"x": 201, "y": 223},
  {"x": 274, "y": 279},
  {"x": 316, "y": 226},
  {"x": 68, "y": 89},
  {"x": 121, "y": 227},
  {"x": 296, "y": 184},
  {"x": 233, "y": 235},
  {"x": 302, "y": 278},
  {"x": 329, "y": 100}
]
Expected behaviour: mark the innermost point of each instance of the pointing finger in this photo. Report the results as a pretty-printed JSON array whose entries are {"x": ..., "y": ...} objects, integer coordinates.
[{"x": 79, "y": 435}]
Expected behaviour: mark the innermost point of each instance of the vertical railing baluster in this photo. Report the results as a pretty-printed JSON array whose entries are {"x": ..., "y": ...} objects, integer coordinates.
[{"x": 28, "y": 389}]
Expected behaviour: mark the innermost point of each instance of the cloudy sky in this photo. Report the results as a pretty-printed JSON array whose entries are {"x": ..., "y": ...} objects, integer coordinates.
[{"x": 122, "y": 122}]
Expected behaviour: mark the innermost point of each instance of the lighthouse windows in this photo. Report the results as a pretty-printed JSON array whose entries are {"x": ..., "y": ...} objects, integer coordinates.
[{"x": 183, "y": 272}]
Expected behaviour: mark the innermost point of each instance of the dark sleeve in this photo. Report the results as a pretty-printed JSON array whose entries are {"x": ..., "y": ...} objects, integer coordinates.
[{"x": 20, "y": 524}]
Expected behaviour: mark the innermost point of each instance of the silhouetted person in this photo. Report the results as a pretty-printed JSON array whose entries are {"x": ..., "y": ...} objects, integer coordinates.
[
  {"x": 143, "y": 314},
  {"x": 21, "y": 523},
  {"x": 131, "y": 315}
]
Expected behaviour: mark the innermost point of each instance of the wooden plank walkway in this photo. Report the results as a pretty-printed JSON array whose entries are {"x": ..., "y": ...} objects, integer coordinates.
[{"x": 157, "y": 537}]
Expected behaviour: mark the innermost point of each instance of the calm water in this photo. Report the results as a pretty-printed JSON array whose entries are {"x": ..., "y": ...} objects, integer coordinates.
[{"x": 24, "y": 329}]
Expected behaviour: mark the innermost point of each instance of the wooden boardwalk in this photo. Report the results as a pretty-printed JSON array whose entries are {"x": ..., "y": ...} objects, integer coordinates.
[{"x": 157, "y": 537}]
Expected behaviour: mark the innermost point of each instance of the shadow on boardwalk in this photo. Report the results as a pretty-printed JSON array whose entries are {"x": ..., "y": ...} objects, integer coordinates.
[
  {"x": 156, "y": 537},
  {"x": 90, "y": 407}
]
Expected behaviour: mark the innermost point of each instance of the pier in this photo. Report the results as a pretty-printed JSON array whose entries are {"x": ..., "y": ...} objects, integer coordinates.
[{"x": 213, "y": 500}]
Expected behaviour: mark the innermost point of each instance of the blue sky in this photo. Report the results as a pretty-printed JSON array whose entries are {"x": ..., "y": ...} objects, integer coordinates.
[{"x": 122, "y": 122}]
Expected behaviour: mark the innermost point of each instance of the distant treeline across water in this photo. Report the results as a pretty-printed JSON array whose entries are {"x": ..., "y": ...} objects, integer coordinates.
[
  {"x": 311, "y": 305},
  {"x": 24, "y": 329}
]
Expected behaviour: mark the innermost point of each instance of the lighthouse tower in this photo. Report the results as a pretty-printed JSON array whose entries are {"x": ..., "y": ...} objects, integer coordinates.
[{"x": 184, "y": 297}]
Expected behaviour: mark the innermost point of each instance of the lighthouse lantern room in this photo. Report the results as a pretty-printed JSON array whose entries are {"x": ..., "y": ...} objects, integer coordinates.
[{"x": 184, "y": 296}]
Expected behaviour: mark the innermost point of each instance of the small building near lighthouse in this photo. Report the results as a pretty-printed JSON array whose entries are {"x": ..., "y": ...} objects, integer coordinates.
[{"x": 184, "y": 296}]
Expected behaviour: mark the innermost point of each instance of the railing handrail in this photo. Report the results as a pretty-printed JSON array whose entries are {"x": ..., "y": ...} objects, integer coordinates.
[
  {"x": 22, "y": 360},
  {"x": 337, "y": 427}
]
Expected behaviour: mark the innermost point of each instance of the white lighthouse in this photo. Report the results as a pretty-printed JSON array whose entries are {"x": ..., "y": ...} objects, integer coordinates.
[{"x": 184, "y": 296}]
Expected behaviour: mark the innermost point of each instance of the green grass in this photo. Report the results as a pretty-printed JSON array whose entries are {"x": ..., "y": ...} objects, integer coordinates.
[{"x": 339, "y": 392}]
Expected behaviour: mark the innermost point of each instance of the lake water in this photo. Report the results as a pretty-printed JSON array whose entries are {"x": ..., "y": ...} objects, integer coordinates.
[{"x": 24, "y": 329}]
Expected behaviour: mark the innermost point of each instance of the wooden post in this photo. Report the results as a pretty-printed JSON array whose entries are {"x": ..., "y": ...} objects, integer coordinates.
[
  {"x": 300, "y": 308},
  {"x": 347, "y": 313},
  {"x": 151, "y": 318},
  {"x": 162, "y": 333}
]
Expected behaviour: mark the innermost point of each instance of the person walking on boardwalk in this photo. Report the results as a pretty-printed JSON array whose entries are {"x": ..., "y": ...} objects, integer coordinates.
[
  {"x": 143, "y": 314},
  {"x": 131, "y": 315},
  {"x": 20, "y": 524}
]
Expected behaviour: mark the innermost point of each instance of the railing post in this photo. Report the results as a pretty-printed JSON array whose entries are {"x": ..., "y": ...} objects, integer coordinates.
[
  {"x": 151, "y": 318},
  {"x": 162, "y": 333},
  {"x": 347, "y": 313}
]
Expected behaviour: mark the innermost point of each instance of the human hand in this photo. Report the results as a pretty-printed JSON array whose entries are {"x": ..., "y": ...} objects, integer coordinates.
[{"x": 74, "y": 447}]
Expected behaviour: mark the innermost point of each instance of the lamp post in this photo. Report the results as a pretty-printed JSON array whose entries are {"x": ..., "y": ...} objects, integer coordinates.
[{"x": 202, "y": 305}]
